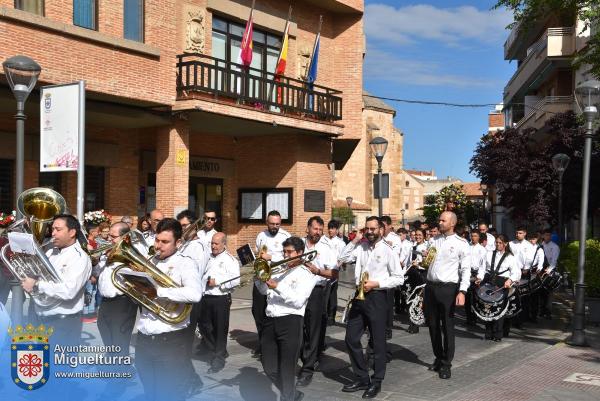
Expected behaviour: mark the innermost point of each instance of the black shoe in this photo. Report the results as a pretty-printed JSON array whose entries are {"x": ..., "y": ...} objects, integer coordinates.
[
  {"x": 216, "y": 365},
  {"x": 388, "y": 334},
  {"x": 356, "y": 386},
  {"x": 299, "y": 395},
  {"x": 445, "y": 372},
  {"x": 256, "y": 353},
  {"x": 435, "y": 366},
  {"x": 304, "y": 380},
  {"x": 372, "y": 391},
  {"x": 489, "y": 337},
  {"x": 496, "y": 339}
]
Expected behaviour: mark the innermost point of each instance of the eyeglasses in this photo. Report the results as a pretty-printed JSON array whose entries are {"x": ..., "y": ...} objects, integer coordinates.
[{"x": 211, "y": 218}]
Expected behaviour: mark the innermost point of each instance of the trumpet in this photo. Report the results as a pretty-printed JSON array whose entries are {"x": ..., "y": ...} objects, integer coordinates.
[
  {"x": 261, "y": 269},
  {"x": 364, "y": 277}
]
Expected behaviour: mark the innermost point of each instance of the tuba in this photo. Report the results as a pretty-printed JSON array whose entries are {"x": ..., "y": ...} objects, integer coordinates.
[
  {"x": 167, "y": 311},
  {"x": 39, "y": 206},
  {"x": 261, "y": 269}
]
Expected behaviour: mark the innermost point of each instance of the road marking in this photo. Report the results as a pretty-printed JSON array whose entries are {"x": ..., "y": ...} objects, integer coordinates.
[{"x": 584, "y": 378}]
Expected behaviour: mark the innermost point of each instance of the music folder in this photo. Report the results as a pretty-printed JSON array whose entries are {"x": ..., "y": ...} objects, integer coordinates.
[
  {"x": 141, "y": 278},
  {"x": 245, "y": 254}
]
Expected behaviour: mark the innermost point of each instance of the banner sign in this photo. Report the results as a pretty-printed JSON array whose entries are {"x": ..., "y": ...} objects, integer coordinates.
[{"x": 59, "y": 127}]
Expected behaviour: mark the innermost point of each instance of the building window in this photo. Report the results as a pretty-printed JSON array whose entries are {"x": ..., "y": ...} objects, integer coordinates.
[
  {"x": 32, "y": 6},
  {"x": 94, "y": 188},
  {"x": 256, "y": 203},
  {"x": 85, "y": 13},
  {"x": 407, "y": 184},
  {"x": 50, "y": 180},
  {"x": 227, "y": 40},
  {"x": 406, "y": 206},
  {"x": 133, "y": 20},
  {"x": 6, "y": 185}
]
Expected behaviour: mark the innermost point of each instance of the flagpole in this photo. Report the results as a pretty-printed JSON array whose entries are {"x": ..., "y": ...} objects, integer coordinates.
[
  {"x": 308, "y": 68},
  {"x": 285, "y": 33}
]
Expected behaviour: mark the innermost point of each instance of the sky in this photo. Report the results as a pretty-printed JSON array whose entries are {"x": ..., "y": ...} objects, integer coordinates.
[{"x": 438, "y": 50}]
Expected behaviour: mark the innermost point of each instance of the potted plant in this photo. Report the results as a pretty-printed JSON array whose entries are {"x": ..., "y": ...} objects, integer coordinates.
[{"x": 569, "y": 256}]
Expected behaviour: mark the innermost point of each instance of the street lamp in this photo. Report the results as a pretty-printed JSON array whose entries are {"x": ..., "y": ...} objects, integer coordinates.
[
  {"x": 379, "y": 146},
  {"x": 349, "y": 203},
  {"x": 484, "y": 190},
  {"x": 587, "y": 95},
  {"x": 402, "y": 211},
  {"x": 560, "y": 161},
  {"x": 22, "y": 74}
]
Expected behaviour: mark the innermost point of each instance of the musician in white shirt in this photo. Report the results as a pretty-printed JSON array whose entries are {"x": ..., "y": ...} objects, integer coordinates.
[
  {"x": 281, "y": 339},
  {"x": 215, "y": 306},
  {"x": 377, "y": 258},
  {"x": 74, "y": 268},
  {"x": 117, "y": 313},
  {"x": 270, "y": 239},
  {"x": 325, "y": 268},
  {"x": 448, "y": 279},
  {"x": 478, "y": 257},
  {"x": 208, "y": 229},
  {"x": 501, "y": 270},
  {"x": 155, "y": 217},
  {"x": 162, "y": 351},
  {"x": 491, "y": 240},
  {"x": 337, "y": 245},
  {"x": 399, "y": 244},
  {"x": 552, "y": 252}
]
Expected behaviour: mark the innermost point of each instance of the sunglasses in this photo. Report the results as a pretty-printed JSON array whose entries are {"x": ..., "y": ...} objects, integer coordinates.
[{"x": 211, "y": 218}]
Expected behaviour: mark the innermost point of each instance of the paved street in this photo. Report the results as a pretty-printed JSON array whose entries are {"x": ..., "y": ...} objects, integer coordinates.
[{"x": 533, "y": 364}]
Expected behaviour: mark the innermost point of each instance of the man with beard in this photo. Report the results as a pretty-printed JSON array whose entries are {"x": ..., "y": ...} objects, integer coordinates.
[
  {"x": 324, "y": 266},
  {"x": 155, "y": 217},
  {"x": 382, "y": 263},
  {"x": 448, "y": 279},
  {"x": 208, "y": 230},
  {"x": 491, "y": 240},
  {"x": 269, "y": 246}
]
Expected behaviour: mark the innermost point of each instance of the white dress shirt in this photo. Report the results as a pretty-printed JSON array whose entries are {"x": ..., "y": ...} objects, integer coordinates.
[
  {"x": 326, "y": 257},
  {"x": 182, "y": 271},
  {"x": 532, "y": 257},
  {"x": 452, "y": 262},
  {"x": 337, "y": 244},
  {"x": 394, "y": 240},
  {"x": 105, "y": 285},
  {"x": 294, "y": 286},
  {"x": 517, "y": 248},
  {"x": 552, "y": 251},
  {"x": 406, "y": 249},
  {"x": 491, "y": 243},
  {"x": 379, "y": 260},
  {"x": 149, "y": 236},
  {"x": 417, "y": 254},
  {"x": 478, "y": 255},
  {"x": 508, "y": 269},
  {"x": 274, "y": 243},
  {"x": 199, "y": 254},
  {"x": 205, "y": 237},
  {"x": 74, "y": 267},
  {"x": 222, "y": 267}
]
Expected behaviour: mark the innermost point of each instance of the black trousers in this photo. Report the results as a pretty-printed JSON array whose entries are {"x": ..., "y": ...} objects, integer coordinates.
[
  {"x": 162, "y": 362},
  {"x": 390, "y": 308},
  {"x": 545, "y": 301},
  {"x": 67, "y": 328},
  {"x": 369, "y": 314},
  {"x": 214, "y": 323},
  {"x": 259, "y": 305},
  {"x": 332, "y": 300},
  {"x": 328, "y": 294},
  {"x": 495, "y": 328},
  {"x": 311, "y": 334},
  {"x": 116, "y": 318},
  {"x": 440, "y": 301},
  {"x": 280, "y": 342}
]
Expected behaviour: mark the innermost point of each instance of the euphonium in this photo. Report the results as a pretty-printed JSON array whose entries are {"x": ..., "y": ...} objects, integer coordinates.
[
  {"x": 364, "y": 277},
  {"x": 167, "y": 311},
  {"x": 430, "y": 258}
]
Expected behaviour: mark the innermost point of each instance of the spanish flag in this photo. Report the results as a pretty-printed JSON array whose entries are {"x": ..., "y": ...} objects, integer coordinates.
[{"x": 282, "y": 61}]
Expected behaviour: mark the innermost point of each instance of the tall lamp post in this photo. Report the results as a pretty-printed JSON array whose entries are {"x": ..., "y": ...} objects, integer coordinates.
[
  {"x": 484, "y": 191},
  {"x": 379, "y": 146},
  {"x": 349, "y": 203},
  {"x": 402, "y": 211},
  {"x": 587, "y": 95},
  {"x": 22, "y": 74},
  {"x": 560, "y": 161}
]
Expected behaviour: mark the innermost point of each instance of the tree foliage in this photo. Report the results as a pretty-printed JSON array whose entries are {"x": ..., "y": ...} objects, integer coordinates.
[
  {"x": 520, "y": 167},
  {"x": 451, "y": 197},
  {"x": 567, "y": 12},
  {"x": 342, "y": 214}
]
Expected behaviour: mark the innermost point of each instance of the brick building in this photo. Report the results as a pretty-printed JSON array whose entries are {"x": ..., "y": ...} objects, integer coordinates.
[{"x": 171, "y": 120}]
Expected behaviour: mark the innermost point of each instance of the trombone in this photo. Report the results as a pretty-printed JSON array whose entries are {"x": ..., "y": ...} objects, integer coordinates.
[{"x": 261, "y": 269}]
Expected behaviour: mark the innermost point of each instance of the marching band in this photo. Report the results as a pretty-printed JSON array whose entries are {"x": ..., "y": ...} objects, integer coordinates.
[{"x": 177, "y": 276}]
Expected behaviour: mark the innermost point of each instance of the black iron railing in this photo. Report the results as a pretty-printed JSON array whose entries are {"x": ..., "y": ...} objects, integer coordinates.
[{"x": 197, "y": 73}]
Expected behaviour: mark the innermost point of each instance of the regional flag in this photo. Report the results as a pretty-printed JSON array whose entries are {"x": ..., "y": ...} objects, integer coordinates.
[
  {"x": 314, "y": 61},
  {"x": 282, "y": 60},
  {"x": 245, "y": 57}
]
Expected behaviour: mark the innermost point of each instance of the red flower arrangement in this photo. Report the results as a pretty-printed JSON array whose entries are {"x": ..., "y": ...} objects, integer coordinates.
[{"x": 6, "y": 219}]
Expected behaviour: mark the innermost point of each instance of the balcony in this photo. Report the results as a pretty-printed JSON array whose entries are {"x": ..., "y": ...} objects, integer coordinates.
[
  {"x": 205, "y": 77},
  {"x": 537, "y": 115},
  {"x": 553, "y": 50}
]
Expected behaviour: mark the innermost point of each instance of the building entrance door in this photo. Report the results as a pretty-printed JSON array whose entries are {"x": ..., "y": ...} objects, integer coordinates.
[{"x": 206, "y": 194}]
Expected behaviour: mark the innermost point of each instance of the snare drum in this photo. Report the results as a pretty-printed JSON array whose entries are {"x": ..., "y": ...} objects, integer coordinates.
[
  {"x": 490, "y": 302},
  {"x": 524, "y": 287},
  {"x": 535, "y": 283},
  {"x": 552, "y": 280}
]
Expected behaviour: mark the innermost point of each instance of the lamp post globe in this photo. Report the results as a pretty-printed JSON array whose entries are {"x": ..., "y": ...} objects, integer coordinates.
[{"x": 378, "y": 147}]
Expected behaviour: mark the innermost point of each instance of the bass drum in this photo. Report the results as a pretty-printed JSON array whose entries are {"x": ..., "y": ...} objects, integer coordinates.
[
  {"x": 489, "y": 302},
  {"x": 514, "y": 303},
  {"x": 552, "y": 280},
  {"x": 415, "y": 305}
]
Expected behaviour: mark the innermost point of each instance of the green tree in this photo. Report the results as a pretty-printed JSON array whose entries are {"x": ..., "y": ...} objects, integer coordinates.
[
  {"x": 451, "y": 197},
  {"x": 526, "y": 12},
  {"x": 342, "y": 214}
]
